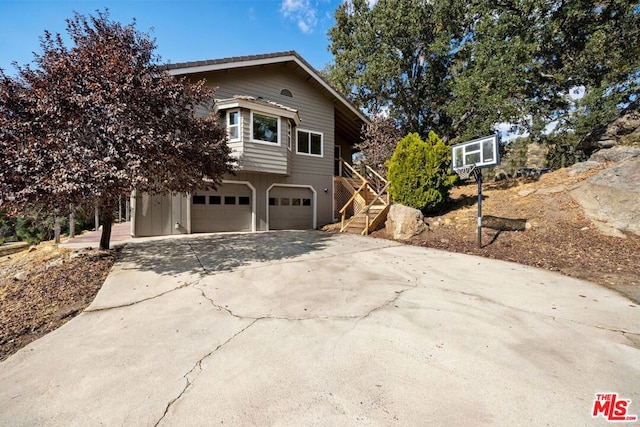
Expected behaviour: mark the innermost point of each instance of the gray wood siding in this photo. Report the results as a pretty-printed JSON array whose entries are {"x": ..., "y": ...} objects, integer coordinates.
[
  {"x": 263, "y": 158},
  {"x": 260, "y": 157},
  {"x": 315, "y": 109},
  {"x": 157, "y": 215}
]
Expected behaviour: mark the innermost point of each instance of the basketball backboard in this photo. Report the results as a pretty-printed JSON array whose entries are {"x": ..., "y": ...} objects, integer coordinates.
[{"x": 481, "y": 153}]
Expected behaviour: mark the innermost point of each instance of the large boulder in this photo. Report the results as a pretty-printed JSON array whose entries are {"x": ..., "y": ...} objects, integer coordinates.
[
  {"x": 625, "y": 130},
  {"x": 611, "y": 198},
  {"x": 404, "y": 222}
]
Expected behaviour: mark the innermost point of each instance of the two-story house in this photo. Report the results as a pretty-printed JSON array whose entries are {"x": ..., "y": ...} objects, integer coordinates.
[{"x": 287, "y": 127}]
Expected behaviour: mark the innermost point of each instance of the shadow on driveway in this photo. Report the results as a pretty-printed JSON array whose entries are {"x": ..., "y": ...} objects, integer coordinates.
[{"x": 220, "y": 252}]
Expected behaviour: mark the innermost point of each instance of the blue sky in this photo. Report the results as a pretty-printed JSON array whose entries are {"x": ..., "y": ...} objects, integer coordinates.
[{"x": 185, "y": 30}]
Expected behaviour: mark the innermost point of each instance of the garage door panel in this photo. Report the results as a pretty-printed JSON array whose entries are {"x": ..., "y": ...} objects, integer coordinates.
[
  {"x": 290, "y": 208},
  {"x": 227, "y": 209}
]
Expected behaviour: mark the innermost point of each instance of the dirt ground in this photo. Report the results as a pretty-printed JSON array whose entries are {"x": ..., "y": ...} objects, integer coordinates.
[
  {"x": 44, "y": 288},
  {"x": 558, "y": 236}
]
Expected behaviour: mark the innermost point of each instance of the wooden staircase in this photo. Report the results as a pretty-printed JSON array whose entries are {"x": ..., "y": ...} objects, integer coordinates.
[{"x": 369, "y": 200}]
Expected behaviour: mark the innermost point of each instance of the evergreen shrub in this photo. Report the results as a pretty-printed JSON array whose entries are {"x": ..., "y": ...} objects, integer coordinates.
[{"x": 419, "y": 172}]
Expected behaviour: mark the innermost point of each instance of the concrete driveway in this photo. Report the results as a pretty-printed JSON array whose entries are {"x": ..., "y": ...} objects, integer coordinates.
[{"x": 307, "y": 328}]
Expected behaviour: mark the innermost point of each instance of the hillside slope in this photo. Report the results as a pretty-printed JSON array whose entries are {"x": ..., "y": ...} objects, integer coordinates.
[{"x": 558, "y": 237}]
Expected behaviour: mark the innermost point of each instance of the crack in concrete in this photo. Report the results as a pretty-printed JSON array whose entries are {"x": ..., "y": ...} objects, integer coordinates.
[
  {"x": 195, "y": 371},
  {"x": 291, "y": 261},
  {"x": 95, "y": 310},
  {"x": 213, "y": 272},
  {"x": 197, "y": 257},
  {"x": 184, "y": 285},
  {"x": 357, "y": 317}
]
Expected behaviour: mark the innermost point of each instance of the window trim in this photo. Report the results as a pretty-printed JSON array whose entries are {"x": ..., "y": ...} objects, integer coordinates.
[
  {"x": 238, "y": 125},
  {"x": 259, "y": 141},
  {"x": 310, "y": 132}
]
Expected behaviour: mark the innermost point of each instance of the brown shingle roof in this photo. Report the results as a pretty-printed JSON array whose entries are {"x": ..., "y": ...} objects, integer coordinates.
[{"x": 235, "y": 59}]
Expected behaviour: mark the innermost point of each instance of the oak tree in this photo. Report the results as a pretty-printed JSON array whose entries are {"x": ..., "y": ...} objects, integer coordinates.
[
  {"x": 395, "y": 56},
  {"x": 87, "y": 123},
  {"x": 462, "y": 68}
]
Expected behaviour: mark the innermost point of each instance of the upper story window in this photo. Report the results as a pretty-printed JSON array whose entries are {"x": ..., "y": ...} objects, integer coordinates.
[
  {"x": 265, "y": 128},
  {"x": 233, "y": 125},
  {"x": 309, "y": 143}
]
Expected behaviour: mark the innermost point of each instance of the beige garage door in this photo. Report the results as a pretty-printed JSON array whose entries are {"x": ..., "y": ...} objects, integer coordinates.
[
  {"x": 228, "y": 209},
  {"x": 290, "y": 208}
]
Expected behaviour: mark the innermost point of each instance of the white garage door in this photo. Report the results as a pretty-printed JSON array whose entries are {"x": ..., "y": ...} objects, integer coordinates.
[
  {"x": 290, "y": 208},
  {"x": 228, "y": 209}
]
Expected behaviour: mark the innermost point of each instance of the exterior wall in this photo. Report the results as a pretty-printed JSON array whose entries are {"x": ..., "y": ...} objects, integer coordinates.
[
  {"x": 158, "y": 215},
  {"x": 346, "y": 149},
  {"x": 260, "y": 157},
  {"x": 316, "y": 113}
]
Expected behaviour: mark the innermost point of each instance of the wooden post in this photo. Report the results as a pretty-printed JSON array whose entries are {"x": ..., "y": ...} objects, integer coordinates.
[
  {"x": 72, "y": 222},
  {"x": 127, "y": 207},
  {"x": 97, "y": 217},
  {"x": 119, "y": 209}
]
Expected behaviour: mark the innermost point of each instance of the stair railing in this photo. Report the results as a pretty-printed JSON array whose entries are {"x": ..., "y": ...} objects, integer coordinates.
[
  {"x": 371, "y": 181},
  {"x": 374, "y": 178},
  {"x": 364, "y": 209}
]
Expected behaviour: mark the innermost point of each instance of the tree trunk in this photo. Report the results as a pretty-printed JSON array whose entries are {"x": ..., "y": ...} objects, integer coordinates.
[
  {"x": 72, "y": 222},
  {"x": 56, "y": 228},
  {"x": 107, "y": 222}
]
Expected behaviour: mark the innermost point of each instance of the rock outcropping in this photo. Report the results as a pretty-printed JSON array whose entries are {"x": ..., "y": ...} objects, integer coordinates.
[
  {"x": 611, "y": 198},
  {"x": 623, "y": 131}
]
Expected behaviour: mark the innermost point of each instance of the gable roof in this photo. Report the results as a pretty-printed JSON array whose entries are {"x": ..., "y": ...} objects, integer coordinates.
[{"x": 266, "y": 59}]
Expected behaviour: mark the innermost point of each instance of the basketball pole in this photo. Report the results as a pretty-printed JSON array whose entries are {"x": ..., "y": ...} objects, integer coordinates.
[{"x": 478, "y": 174}]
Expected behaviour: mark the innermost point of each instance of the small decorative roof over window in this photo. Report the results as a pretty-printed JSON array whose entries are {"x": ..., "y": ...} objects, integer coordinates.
[{"x": 259, "y": 104}]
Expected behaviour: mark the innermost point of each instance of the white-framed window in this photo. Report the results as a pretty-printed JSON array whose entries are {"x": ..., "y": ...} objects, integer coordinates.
[
  {"x": 265, "y": 128},
  {"x": 289, "y": 131},
  {"x": 309, "y": 143},
  {"x": 233, "y": 125}
]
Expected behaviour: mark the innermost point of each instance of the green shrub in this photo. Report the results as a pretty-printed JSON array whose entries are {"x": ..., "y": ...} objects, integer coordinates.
[
  {"x": 419, "y": 172},
  {"x": 7, "y": 228},
  {"x": 34, "y": 229}
]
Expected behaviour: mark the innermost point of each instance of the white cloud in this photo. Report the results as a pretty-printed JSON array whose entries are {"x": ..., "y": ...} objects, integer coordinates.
[{"x": 303, "y": 12}]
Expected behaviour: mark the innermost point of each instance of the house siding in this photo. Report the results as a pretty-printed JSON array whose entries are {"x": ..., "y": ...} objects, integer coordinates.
[
  {"x": 315, "y": 109},
  {"x": 158, "y": 215}
]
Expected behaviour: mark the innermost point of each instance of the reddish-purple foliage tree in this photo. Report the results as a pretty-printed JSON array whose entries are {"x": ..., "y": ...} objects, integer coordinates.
[
  {"x": 92, "y": 122},
  {"x": 379, "y": 140}
]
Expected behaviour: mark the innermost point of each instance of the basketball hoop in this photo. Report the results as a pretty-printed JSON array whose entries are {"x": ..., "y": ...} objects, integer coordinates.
[
  {"x": 464, "y": 172},
  {"x": 469, "y": 158}
]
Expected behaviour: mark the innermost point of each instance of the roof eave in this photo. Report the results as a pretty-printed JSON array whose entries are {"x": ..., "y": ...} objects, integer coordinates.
[{"x": 194, "y": 68}]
